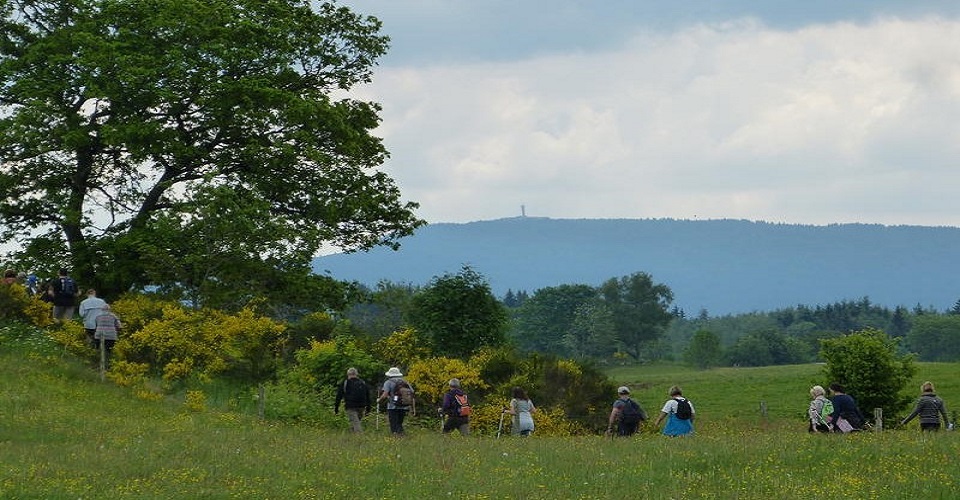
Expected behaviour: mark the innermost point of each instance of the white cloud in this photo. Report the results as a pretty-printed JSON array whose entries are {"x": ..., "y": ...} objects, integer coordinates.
[{"x": 826, "y": 123}]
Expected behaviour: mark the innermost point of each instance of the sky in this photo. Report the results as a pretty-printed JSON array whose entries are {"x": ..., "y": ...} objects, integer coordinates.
[{"x": 813, "y": 112}]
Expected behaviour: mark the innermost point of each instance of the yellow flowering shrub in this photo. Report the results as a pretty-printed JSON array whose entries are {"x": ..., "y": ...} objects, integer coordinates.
[
  {"x": 127, "y": 374},
  {"x": 182, "y": 343},
  {"x": 195, "y": 401},
  {"x": 402, "y": 348},
  {"x": 72, "y": 336},
  {"x": 431, "y": 377},
  {"x": 17, "y": 303}
]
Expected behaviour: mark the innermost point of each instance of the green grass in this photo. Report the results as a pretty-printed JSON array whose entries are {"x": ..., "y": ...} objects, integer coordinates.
[{"x": 65, "y": 434}]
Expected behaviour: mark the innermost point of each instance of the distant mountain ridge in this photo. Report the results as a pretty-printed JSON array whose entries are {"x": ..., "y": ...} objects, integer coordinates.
[{"x": 724, "y": 266}]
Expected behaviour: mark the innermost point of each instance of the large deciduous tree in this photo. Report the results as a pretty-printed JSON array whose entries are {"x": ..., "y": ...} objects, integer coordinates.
[
  {"x": 146, "y": 141},
  {"x": 641, "y": 310}
]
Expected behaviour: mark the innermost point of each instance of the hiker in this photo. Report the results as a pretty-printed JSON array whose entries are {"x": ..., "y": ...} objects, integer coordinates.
[
  {"x": 9, "y": 277},
  {"x": 626, "y": 414},
  {"x": 356, "y": 399},
  {"x": 456, "y": 408},
  {"x": 522, "y": 409},
  {"x": 679, "y": 413},
  {"x": 90, "y": 308},
  {"x": 819, "y": 411},
  {"x": 400, "y": 399},
  {"x": 64, "y": 296},
  {"x": 107, "y": 331},
  {"x": 930, "y": 408},
  {"x": 846, "y": 416}
]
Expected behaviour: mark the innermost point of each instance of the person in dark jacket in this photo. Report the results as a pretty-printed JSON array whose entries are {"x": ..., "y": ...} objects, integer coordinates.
[
  {"x": 356, "y": 399},
  {"x": 845, "y": 411},
  {"x": 451, "y": 408},
  {"x": 929, "y": 408}
]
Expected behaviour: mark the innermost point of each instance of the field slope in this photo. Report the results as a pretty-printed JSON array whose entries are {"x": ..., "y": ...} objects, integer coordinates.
[{"x": 66, "y": 434}]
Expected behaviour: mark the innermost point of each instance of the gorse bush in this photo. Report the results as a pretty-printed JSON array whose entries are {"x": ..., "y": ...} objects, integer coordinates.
[
  {"x": 431, "y": 378},
  {"x": 181, "y": 344},
  {"x": 17, "y": 304}
]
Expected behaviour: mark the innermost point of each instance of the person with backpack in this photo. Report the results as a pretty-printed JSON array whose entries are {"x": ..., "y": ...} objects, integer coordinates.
[
  {"x": 90, "y": 308},
  {"x": 929, "y": 408},
  {"x": 64, "y": 296},
  {"x": 522, "y": 409},
  {"x": 846, "y": 416},
  {"x": 679, "y": 413},
  {"x": 356, "y": 399},
  {"x": 457, "y": 409},
  {"x": 819, "y": 411},
  {"x": 626, "y": 414},
  {"x": 400, "y": 400}
]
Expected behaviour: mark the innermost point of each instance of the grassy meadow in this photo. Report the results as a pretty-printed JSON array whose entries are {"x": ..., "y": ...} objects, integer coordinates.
[{"x": 66, "y": 434}]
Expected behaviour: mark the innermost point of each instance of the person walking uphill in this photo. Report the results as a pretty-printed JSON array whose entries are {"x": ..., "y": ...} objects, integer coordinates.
[
  {"x": 679, "y": 413},
  {"x": 90, "y": 308},
  {"x": 626, "y": 414},
  {"x": 64, "y": 294},
  {"x": 929, "y": 408},
  {"x": 106, "y": 334},
  {"x": 400, "y": 399},
  {"x": 356, "y": 399},
  {"x": 457, "y": 409}
]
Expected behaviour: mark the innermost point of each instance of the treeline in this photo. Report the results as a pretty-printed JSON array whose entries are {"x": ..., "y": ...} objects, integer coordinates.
[{"x": 783, "y": 336}]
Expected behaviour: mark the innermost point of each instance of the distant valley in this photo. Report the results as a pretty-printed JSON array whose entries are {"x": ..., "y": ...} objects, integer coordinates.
[{"x": 722, "y": 266}]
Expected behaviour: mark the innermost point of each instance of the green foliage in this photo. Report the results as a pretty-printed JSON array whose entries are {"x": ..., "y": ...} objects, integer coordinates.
[
  {"x": 459, "y": 314},
  {"x": 767, "y": 347},
  {"x": 324, "y": 364},
  {"x": 935, "y": 337},
  {"x": 640, "y": 308},
  {"x": 704, "y": 350},
  {"x": 311, "y": 327},
  {"x": 384, "y": 310},
  {"x": 191, "y": 144},
  {"x": 867, "y": 365},
  {"x": 544, "y": 321}
]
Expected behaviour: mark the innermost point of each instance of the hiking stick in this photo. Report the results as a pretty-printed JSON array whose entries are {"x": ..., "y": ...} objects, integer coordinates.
[
  {"x": 378, "y": 415},
  {"x": 500, "y": 427},
  {"x": 103, "y": 358}
]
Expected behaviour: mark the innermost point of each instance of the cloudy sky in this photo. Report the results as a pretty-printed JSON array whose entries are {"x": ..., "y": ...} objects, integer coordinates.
[{"x": 812, "y": 112}]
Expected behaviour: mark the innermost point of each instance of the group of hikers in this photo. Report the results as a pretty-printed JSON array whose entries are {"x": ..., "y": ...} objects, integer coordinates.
[
  {"x": 840, "y": 413},
  {"x": 455, "y": 410},
  {"x": 101, "y": 325}
]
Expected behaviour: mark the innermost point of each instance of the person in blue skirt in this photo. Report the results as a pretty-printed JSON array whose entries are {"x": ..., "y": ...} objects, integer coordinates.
[{"x": 679, "y": 413}]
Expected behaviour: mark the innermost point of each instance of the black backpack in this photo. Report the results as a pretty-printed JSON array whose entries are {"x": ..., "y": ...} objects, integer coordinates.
[
  {"x": 684, "y": 410},
  {"x": 632, "y": 413},
  {"x": 68, "y": 287}
]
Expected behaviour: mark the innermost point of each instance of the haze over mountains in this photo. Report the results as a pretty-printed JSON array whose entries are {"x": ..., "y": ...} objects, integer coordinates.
[{"x": 723, "y": 266}]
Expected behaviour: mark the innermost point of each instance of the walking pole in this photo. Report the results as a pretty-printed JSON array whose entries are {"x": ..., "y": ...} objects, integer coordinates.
[
  {"x": 378, "y": 415},
  {"x": 103, "y": 358},
  {"x": 500, "y": 427}
]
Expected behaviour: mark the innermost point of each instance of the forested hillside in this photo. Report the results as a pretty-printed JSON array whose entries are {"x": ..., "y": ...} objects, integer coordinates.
[{"x": 718, "y": 266}]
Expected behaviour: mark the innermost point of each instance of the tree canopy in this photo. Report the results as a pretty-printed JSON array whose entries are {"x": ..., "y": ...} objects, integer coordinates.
[{"x": 146, "y": 142}]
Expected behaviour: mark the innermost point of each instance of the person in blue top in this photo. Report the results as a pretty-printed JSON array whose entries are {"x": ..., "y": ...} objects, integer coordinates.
[
  {"x": 846, "y": 416},
  {"x": 677, "y": 425}
]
